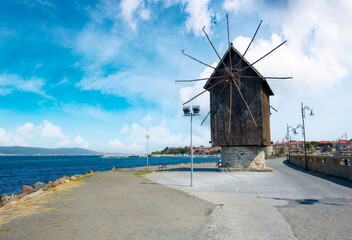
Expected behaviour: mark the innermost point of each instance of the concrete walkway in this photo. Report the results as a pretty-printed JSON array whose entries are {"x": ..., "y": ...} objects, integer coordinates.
[
  {"x": 111, "y": 205},
  {"x": 285, "y": 204}
]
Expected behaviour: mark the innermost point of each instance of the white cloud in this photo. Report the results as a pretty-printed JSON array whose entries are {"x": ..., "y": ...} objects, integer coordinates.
[
  {"x": 51, "y": 131},
  {"x": 147, "y": 120},
  {"x": 131, "y": 10},
  {"x": 117, "y": 146},
  {"x": 64, "y": 143},
  {"x": 125, "y": 129},
  {"x": 27, "y": 130},
  {"x": 200, "y": 15},
  {"x": 80, "y": 142},
  {"x": 189, "y": 92},
  {"x": 160, "y": 137},
  {"x": 317, "y": 40},
  {"x": 10, "y": 139},
  {"x": 12, "y": 82},
  {"x": 238, "y": 5},
  {"x": 96, "y": 45}
]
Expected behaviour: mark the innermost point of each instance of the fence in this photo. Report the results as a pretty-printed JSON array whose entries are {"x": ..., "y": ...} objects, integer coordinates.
[{"x": 329, "y": 165}]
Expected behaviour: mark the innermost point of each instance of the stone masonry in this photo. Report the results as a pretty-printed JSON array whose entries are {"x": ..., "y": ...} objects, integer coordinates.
[{"x": 248, "y": 158}]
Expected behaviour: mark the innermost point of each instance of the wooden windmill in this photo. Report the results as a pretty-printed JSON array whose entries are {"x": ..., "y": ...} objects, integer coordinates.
[{"x": 239, "y": 102}]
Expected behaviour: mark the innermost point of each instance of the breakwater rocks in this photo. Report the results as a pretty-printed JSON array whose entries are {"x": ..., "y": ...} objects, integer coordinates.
[{"x": 37, "y": 189}]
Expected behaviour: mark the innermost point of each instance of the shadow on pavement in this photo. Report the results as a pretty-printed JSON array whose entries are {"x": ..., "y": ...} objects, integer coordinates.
[
  {"x": 338, "y": 181},
  {"x": 306, "y": 201}
]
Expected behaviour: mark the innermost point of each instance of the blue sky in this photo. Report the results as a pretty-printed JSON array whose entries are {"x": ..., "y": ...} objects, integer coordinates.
[{"x": 100, "y": 74}]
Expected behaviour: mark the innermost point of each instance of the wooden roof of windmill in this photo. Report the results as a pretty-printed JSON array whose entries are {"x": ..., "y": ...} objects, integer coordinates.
[{"x": 226, "y": 56}]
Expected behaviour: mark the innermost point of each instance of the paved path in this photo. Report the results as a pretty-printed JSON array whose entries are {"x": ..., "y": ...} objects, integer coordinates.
[
  {"x": 113, "y": 205},
  {"x": 286, "y": 204}
]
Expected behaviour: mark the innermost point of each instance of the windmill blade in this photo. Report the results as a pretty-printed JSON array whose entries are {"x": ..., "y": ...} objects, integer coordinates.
[
  {"x": 250, "y": 65},
  {"x": 226, "y": 68},
  {"x": 183, "y": 52},
  {"x": 204, "y": 91},
  {"x": 239, "y": 91},
  {"x": 249, "y": 43},
  {"x": 254, "y": 77},
  {"x": 217, "y": 98},
  {"x": 198, "y": 79},
  {"x": 229, "y": 128},
  {"x": 253, "y": 93},
  {"x": 228, "y": 40}
]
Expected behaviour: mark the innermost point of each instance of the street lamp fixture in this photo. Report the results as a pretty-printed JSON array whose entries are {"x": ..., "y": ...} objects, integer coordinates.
[
  {"x": 187, "y": 113},
  {"x": 288, "y": 139}
]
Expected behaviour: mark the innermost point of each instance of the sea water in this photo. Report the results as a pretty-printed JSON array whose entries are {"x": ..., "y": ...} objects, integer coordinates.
[{"x": 16, "y": 171}]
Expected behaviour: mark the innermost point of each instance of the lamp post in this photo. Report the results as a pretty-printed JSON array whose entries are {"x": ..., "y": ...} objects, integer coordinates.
[
  {"x": 186, "y": 113},
  {"x": 303, "y": 108},
  {"x": 147, "y": 137},
  {"x": 288, "y": 138}
]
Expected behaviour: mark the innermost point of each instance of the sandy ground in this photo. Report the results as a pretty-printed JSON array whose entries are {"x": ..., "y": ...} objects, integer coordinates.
[{"x": 109, "y": 205}]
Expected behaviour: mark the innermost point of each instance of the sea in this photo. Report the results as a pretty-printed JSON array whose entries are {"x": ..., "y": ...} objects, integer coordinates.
[{"x": 16, "y": 171}]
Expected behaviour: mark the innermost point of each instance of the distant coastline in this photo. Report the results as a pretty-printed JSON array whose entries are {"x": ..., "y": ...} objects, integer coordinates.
[{"x": 36, "y": 151}]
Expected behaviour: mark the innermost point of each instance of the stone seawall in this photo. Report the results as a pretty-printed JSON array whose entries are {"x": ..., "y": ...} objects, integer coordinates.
[
  {"x": 250, "y": 158},
  {"x": 329, "y": 165}
]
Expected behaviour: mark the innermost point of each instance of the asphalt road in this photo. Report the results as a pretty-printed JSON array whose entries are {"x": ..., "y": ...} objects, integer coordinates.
[{"x": 286, "y": 204}]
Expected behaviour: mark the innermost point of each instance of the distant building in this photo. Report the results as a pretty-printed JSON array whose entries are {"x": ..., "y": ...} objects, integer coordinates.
[
  {"x": 203, "y": 150},
  {"x": 284, "y": 147}
]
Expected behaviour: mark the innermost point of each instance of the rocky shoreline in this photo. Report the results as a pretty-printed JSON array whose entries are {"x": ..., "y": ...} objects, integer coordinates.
[{"x": 38, "y": 188}]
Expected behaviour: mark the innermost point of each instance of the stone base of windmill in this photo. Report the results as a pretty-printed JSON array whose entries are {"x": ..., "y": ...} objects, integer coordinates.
[{"x": 249, "y": 159}]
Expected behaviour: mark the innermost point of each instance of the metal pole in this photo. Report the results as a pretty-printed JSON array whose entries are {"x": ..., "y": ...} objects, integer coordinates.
[
  {"x": 191, "y": 153},
  {"x": 147, "y": 137},
  {"x": 287, "y": 138},
  {"x": 304, "y": 137}
]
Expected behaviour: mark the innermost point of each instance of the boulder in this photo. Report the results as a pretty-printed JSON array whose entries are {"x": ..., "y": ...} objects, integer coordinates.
[
  {"x": 4, "y": 199},
  {"x": 32, "y": 195},
  {"x": 19, "y": 196},
  {"x": 12, "y": 199},
  {"x": 73, "y": 178},
  {"x": 60, "y": 181},
  {"x": 38, "y": 185},
  {"x": 26, "y": 189},
  {"x": 89, "y": 172}
]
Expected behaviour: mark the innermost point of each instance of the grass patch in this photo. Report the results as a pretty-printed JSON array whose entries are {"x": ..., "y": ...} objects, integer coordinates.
[
  {"x": 49, "y": 209},
  {"x": 8, "y": 229},
  {"x": 210, "y": 210},
  {"x": 142, "y": 172}
]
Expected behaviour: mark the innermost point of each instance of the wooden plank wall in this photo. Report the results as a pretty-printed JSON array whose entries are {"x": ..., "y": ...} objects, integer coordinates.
[{"x": 243, "y": 130}]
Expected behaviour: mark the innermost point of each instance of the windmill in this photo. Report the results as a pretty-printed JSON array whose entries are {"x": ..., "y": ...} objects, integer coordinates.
[{"x": 239, "y": 107}]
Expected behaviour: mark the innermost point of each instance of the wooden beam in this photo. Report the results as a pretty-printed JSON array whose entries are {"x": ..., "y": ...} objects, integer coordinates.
[
  {"x": 217, "y": 98},
  {"x": 228, "y": 40},
  {"x": 249, "y": 44},
  {"x": 250, "y": 65},
  {"x": 229, "y": 126},
  {"x": 226, "y": 68},
  {"x": 239, "y": 91},
  {"x": 253, "y": 93},
  {"x": 204, "y": 91},
  {"x": 199, "y": 79}
]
